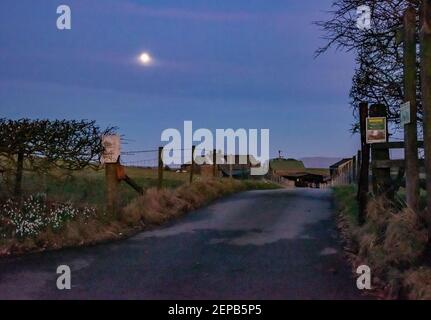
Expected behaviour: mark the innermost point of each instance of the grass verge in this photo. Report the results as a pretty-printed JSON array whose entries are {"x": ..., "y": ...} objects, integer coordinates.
[
  {"x": 153, "y": 208},
  {"x": 392, "y": 242}
]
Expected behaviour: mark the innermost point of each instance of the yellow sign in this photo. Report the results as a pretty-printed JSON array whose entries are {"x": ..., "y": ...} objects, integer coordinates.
[{"x": 376, "y": 130}]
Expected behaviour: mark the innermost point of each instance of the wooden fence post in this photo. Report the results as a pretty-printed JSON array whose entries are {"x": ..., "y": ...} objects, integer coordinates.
[
  {"x": 358, "y": 166},
  {"x": 160, "y": 169},
  {"x": 192, "y": 165},
  {"x": 365, "y": 163},
  {"x": 353, "y": 169},
  {"x": 410, "y": 129},
  {"x": 381, "y": 176},
  {"x": 112, "y": 183},
  {"x": 214, "y": 163},
  {"x": 425, "y": 41},
  {"x": 230, "y": 165}
]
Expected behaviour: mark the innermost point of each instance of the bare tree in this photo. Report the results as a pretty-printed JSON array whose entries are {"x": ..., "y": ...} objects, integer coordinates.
[
  {"x": 40, "y": 145},
  {"x": 378, "y": 76}
]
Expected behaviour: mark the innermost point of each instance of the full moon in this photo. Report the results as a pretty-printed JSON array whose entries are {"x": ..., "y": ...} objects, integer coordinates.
[{"x": 145, "y": 58}]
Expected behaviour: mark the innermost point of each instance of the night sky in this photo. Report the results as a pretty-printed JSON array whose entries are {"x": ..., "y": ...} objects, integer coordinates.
[{"x": 222, "y": 64}]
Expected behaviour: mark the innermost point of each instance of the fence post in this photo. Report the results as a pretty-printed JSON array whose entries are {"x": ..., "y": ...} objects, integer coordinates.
[
  {"x": 381, "y": 176},
  {"x": 358, "y": 166},
  {"x": 353, "y": 169},
  {"x": 410, "y": 129},
  {"x": 214, "y": 163},
  {"x": 192, "y": 165},
  {"x": 112, "y": 183},
  {"x": 425, "y": 42},
  {"x": 160, "y": 169},
  {"x": 365, "y": 164},
  {"x": 230, "y": 166}
]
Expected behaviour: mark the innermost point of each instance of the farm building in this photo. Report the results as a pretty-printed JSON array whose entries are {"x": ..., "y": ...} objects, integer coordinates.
[
  {"x": 293, "y": 173},
  {"x": 335, "y": 168},
  {"x": 241, "y": 168}
]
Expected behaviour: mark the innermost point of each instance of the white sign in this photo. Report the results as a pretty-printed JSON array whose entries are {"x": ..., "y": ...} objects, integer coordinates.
[
  {"x": 111, "y": 143},
  {"x": 405, "y": 113},
  {"x": 363, "y": 21}
]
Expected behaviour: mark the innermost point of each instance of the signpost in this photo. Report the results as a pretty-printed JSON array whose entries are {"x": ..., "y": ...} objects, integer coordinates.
[
  {"x": 111, "y": 145},
  {"x": 110, "y": 158},
  {"x": 376, "y": 130},
  {"x": 364, "y": 162}
]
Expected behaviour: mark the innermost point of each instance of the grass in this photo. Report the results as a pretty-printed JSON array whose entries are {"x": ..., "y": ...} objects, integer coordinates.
[
  {"x": 347, "y": 205},
  {"x": 286, "y": 164},
  {"x": 392, "y": 242},
  {"x": 88, "y": 186}
]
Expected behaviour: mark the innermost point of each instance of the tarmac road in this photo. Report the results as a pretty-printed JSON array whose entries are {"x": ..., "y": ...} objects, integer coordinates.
[{"x": 276, "y": 244}]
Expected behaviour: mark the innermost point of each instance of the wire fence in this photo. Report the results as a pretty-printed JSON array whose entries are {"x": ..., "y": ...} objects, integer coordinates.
[{"x": 149, "y": 158}]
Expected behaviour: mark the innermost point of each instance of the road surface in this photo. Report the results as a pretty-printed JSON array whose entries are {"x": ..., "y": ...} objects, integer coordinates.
[{"x": 277, "y": 244}]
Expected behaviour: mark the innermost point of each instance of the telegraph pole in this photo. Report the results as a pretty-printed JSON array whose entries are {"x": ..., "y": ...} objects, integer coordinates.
[{"x": 410, "y": 129}]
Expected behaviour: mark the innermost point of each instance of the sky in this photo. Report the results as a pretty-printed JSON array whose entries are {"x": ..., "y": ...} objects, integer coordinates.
[{"x": 219, "y": 63}]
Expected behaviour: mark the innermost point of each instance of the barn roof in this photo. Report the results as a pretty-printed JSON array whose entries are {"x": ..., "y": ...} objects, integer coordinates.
[{"x": 339, "y": 163}]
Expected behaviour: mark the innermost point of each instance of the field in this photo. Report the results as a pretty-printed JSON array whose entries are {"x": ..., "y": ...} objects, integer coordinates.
[{"x": 88, "y": 186}]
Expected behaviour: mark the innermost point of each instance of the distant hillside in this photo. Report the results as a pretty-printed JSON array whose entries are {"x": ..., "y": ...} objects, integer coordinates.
[
  {"x": 319, "y": 162},
  {"x": 286, "y": 164}
]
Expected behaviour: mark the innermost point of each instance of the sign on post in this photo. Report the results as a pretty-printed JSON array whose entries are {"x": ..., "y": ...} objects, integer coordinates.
[
  {"x": 111, "y": 144},
  {"x": 376, "y": 130},
  {"x": 405, "y": 113}
]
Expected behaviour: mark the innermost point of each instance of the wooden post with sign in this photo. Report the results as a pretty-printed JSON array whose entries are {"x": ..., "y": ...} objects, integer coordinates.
[
  {"x": 160, "y": 169},
  {"x": 214, "y": 163},
  {"x": 410, "y": 125},
  {"x": 365, "y": 163},
  {"x": 381, "y": 176},
  {"x": 192, "y": 164},
  {"x": 425, "y": 44},
  {"x": 110, "y": 158},
  {"x": 111, "y": 188}
]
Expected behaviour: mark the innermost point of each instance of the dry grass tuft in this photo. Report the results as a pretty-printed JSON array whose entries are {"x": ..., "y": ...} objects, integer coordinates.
[
  {"x": 156, "y": 207},
  {"x": 418, "y": 284},
  {"x": 405, "y": 239},
  {"x": 391, "y": 238},
  {"x": 379, "y": 212},
  {"x": 392, "y": 244}
]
